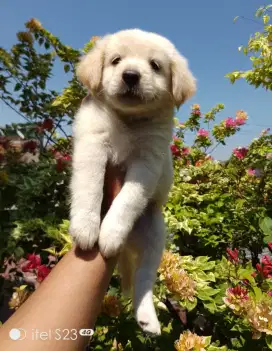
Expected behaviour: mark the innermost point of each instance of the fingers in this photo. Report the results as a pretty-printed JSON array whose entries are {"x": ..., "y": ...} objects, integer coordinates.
[{"x": 114, "y": 179}]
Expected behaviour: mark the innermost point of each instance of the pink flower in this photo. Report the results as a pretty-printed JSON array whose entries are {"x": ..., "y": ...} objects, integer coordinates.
[
  {"x": 230, "y": 123},
  {"x": 251, "y": 172},
  {"x": 269, "y": 293},
  {"x": 196, "y": 112},
  {"x": 270, "y": 246},
  {"x": 266, "y": 260},
  {"x": 240, "y": 152},
  {"x": 203, "y": 133},
  {"x": 240, "y": 121}
]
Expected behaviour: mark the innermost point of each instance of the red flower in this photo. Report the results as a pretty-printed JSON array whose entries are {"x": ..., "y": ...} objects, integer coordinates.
[
  {"x": 39, "y": 128},
  {"x": 4, "y": 142},
  {"x": 62, "y": 160},
  {"x": 30, "y": 146},
  {"x": 175, "y": 150},
  {"x": 270, "y": 246},
  {"x": 233, "y": 255},
  {"x": 185, "y": 150},
  {"x": 240, "y": 292},
  {"x": 43, "y": 272},
  {"x": 34, "y": 261},
  {"x": 48, "y": 124},
  {"x": 265, "y": 268},
  {"x": 199, "y": 163}
]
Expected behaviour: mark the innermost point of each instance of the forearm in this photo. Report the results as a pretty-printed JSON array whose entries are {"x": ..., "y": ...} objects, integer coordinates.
[{"x": 70, "y": 298}]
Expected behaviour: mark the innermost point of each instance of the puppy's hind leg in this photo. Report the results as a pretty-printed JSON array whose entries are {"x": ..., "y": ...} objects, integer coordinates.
[{"x": 149, "y": 256}]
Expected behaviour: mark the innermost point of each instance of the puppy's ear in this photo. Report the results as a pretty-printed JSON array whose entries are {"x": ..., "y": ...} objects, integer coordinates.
[
  {"x": 90, "y": 66},
  {"x": 183, "y": 81}
]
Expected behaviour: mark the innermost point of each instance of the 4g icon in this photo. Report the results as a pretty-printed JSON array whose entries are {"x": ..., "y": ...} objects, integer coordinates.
[{"x": 86, "y": 332}]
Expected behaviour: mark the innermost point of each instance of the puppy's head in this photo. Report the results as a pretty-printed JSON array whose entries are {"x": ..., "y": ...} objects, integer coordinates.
[{"x": 137, "y": 70}]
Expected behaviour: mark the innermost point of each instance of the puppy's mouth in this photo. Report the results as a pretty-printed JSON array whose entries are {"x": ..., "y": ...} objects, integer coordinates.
[{"x": 132, "y": 96}]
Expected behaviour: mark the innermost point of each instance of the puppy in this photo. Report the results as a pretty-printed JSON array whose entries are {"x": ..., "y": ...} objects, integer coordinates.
[{"x": 136, "y": 79}]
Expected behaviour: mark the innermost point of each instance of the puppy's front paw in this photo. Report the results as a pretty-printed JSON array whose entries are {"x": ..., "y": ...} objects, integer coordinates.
[
  {"x": 85, "y": 230},
  {"x": 111, "y": 238}
]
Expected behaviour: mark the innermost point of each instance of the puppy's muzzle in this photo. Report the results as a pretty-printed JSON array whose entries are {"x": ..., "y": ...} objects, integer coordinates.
[{"x": 131, "y": 78}]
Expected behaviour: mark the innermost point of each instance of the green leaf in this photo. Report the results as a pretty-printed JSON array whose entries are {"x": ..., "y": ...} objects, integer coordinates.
[
  {"x": 266, "y": 227},
  {"x": 208, "y": 340},
  {"x": 189, "y": 305},
  {"x": 19, "y": 252},
  {"x": 51, "y": 250},
  {"x": 268, "y": 341},
  {"x": 205, "y": 292},
  {"x": 258, "y": 293},
  {"x": 17, "y": 87},
  {"x": 217, "y": 348},
  {"x": 66, "y": 68},
  {"x": 266, "y": 19}
]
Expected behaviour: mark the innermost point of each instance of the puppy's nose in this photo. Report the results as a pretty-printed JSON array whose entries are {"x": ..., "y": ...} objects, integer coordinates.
[{"x": 131, "y": 77}]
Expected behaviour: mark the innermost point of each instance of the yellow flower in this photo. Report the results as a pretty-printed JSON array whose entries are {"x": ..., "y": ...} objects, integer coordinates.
[
  {"x": 190, "y": 342},
  {"x": 176, "y": 279},
  {"x": 260, "y": 316},
  {"x": 240, "y": 114},
  {"x": 196, "y": 107},
  {"x": 94, "y": 39},
  {"x": 111, "y": 306},
  {"x": 34, "y": 25},
  {"x": 25, "y": 37},
  {"x": 117, "y": 346},
  {"x": 19, "y": 297}
]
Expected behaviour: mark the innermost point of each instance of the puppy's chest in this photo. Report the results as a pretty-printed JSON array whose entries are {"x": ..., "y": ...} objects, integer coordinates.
[{"x": 124, "y": 144}]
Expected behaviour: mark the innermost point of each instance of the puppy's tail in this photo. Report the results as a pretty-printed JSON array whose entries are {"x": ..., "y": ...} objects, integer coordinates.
[{"x": 126, "y": 268}]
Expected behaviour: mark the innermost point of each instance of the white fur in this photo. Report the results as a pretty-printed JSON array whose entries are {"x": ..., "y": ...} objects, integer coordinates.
[{"x": 136, "y": 134}]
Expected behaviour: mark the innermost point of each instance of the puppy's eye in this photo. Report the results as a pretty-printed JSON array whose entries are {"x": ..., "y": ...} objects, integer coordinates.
[
  {"x": 116, "y": 60},
  {"x": 155, "y": 66}
]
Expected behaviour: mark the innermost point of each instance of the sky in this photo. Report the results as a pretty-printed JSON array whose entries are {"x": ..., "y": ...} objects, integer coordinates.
[{"x": 203, "y": 31}]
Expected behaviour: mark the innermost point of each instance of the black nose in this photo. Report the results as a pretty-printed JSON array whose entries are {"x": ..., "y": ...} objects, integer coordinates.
[{"x": 131, "y": 78}]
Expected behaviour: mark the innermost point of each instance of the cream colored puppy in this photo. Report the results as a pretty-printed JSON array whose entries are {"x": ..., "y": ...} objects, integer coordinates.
[{"x": 136, "y": 79}]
